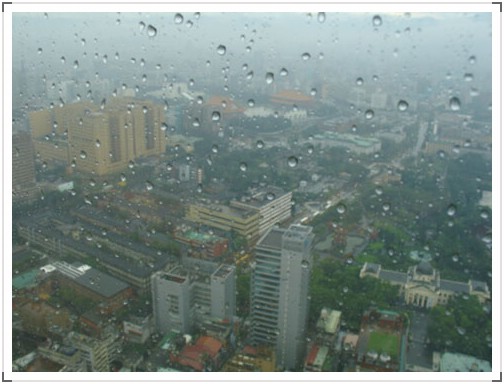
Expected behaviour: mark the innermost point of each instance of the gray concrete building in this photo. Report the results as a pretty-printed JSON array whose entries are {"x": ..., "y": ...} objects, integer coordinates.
[
  {"x": 279, "y": 292},
  {"x": 186, "y": 296}
]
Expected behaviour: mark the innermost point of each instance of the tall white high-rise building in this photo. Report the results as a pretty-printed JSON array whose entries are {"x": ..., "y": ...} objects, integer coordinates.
[{"x": 279, "y": 292}]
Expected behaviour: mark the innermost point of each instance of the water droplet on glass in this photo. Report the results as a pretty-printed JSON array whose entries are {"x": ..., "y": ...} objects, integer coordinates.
[
  {"x": 123, "y": 177},
  {"x": 386, "y": 207},
  {"x": 149, "y": 185},
  {"x": 131, "y": 164},
  {"x": 340, "y": 208},
  {"x": 260, "y": 144},
  {"x": 369, "y": 114},
  {"x": 39, "y": 51},
  {"x": 309, "y": 149},
  {"x": 199, "y": 100},
  {"x": 284, "y": 72},
  {"x": 215, "y": 148},
  {"x": 377, "y": 20},
  {"x": 83, "y": 154},
  {"x": 472, "y": 59},
  {"x": 151, "y": 31},
  {"x": 178, "y": 18},
  {"x": 243, "y": 166},
  {"x": 196, "y": 122},
  {"x": 250, "y": 75},
  {"x": 484, "y": 214},
  {"x": 221, "y": 50},
  {"x": 76, "y": 64},
  {"x": 402, "y": 105},
  {"x": 313, "y": 91},
  {"x": 379, "y": 191},
  {"x": 454, "y": 104},
  {"x": 452, "y": 209},
  {"x": 141, "y": 26},
  {"x": 98, "y": 144},
  {"x": 216, "y": 116},
  {"x": 251, "y": 102},
  {"x": 270, "y": 196},
  {"x": 321, "y": 17},
  {"x": 305, "y": 264},
  {"x": 306, "y": 56},
  {"x": 292, "y": 161},
  {"x": 269, "y": 78},
  {"x": 359, "y": 81},
  {"x": 468, "y": 77},
  {"x": 455, "y": 258}
]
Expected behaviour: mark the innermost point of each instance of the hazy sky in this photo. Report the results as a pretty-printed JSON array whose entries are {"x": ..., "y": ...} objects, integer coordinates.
[{"x": 339, "y": 44}]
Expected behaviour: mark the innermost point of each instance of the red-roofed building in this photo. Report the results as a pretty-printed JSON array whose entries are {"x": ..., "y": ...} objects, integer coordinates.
[
  {"x": 204, "y": 355},
  {"x": 290, "y": 97}
]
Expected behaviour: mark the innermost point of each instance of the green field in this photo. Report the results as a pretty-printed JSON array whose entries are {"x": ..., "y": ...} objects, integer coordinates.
[{"x": 384, "y": 342}]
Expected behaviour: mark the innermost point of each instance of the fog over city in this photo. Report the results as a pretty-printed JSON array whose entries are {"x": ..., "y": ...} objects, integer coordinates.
[{"x": 252, "y": 192}]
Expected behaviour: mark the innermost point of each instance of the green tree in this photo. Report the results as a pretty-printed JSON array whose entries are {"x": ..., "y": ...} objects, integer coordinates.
[{"x": 462, "y": 326}]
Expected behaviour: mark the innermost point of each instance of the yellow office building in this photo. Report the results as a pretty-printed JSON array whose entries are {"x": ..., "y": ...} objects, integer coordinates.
[{"x": 98, "y": 140}]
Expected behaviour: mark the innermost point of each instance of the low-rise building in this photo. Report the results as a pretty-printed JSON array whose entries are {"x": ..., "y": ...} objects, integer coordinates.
[{"x": 422, "y": 285}]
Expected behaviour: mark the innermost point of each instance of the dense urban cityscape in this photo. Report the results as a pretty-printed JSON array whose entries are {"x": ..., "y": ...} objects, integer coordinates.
[{"x": 195, "y": 192}]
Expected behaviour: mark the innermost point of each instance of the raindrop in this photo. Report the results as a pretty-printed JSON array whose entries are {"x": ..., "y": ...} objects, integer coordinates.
[
  {"x": 484, "y": 214},
  {"x": 244, "y": 67},
  {"x": 377, "y": 20},
  {"x": 455, "y": 258},
  {"x": 178, "y": 18},
  {"x": 292, "y": 161},
  {"x": 386, "y": 207},
  {"x": 164, "y": 126},
  {"x": 221, "y": 50},
  {"x": 284, "y": 72},
  {"x": 189, "y": 24},
  {"x": 321, "y": 17},
  {"x": 243, "y": 166},
  {"x": 216, "y": 116},
  {"x": 309, "y": 148},
  {"x": 215, "y": 148},
  {"x": 359, "y": 81},
  {"x": 251, "y": 102},
  {"x": 472, "y": 59},
  {"x": 369, "y": 114},
  {"x": 461, "y": 331},
  {"x": 468, "y": 77},
  {"x": 269, "y": 78},
  {"x": 151, "y": 31},
  {"x": 63, "y": 60},
  {"x": 270, "y": 196},
  {"x": 141, "y": 26},
  {"x": 306, "y": 56},
  {"x": 260, "y": 144},
  {"x": 131, "y": 164},
  {"x": 197, "y": 15},
  {"x": 98, "y": 144},
  {"x": 305, "y": 264},
  {"x": 341, "y": 208},
  {"x": 313, "y": 91},
  {"x": 148, "y": 185},
  {"x": 441, "y": 154},
  {"x": 196, "y": 122},
  {"x": 83, "y": 154},
  {"x": 250, "y": 75},
  {"x": 199, "y": 100},
  {"x": 39, "y": 51},
  {"x": 379, "y": 191},
  {"x": 76, "y": 64},
  {"x": 402, "y": 105},
  {"x": 454, "y": 104},
  {"x": 452, "y": 209},
  {"x": 123, "y": 177}
]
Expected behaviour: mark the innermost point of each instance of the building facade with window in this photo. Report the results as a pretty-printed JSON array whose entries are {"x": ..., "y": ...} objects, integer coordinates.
[{"x": 279, "y": 292}]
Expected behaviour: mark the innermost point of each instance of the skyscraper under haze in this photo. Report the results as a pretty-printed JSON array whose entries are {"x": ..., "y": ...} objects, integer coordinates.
[{"x": 279, "y": 292}]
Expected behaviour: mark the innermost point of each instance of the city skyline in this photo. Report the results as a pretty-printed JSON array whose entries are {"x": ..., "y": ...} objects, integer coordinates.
[{"x": 272, "y": 191}]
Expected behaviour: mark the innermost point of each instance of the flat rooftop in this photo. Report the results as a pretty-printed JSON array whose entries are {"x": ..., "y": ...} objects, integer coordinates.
[{"x": 272, "y": 238}]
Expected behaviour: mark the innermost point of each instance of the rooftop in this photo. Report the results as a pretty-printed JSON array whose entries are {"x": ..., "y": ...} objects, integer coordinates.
[
  {"x": 393, "y": 276},
  {"x": 272, "y": 238},
  {"x": 457, "y": 362}
]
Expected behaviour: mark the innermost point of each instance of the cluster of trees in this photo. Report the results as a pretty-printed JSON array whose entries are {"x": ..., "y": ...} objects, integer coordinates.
[
  {"x": 338, "y": 287},
  {"x": 462, "y": 326}
]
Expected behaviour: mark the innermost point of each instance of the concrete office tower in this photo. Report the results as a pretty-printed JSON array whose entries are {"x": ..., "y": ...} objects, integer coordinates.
[
  {"x": 186, "y": 296},
  {"x": 279, "y": 293},
  {"x": 24, "y": 188},
  {"x": 171, "y": 301}
]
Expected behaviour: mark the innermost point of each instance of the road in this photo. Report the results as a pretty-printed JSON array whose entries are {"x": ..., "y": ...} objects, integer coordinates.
[{"x": 417, "y": 353}]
